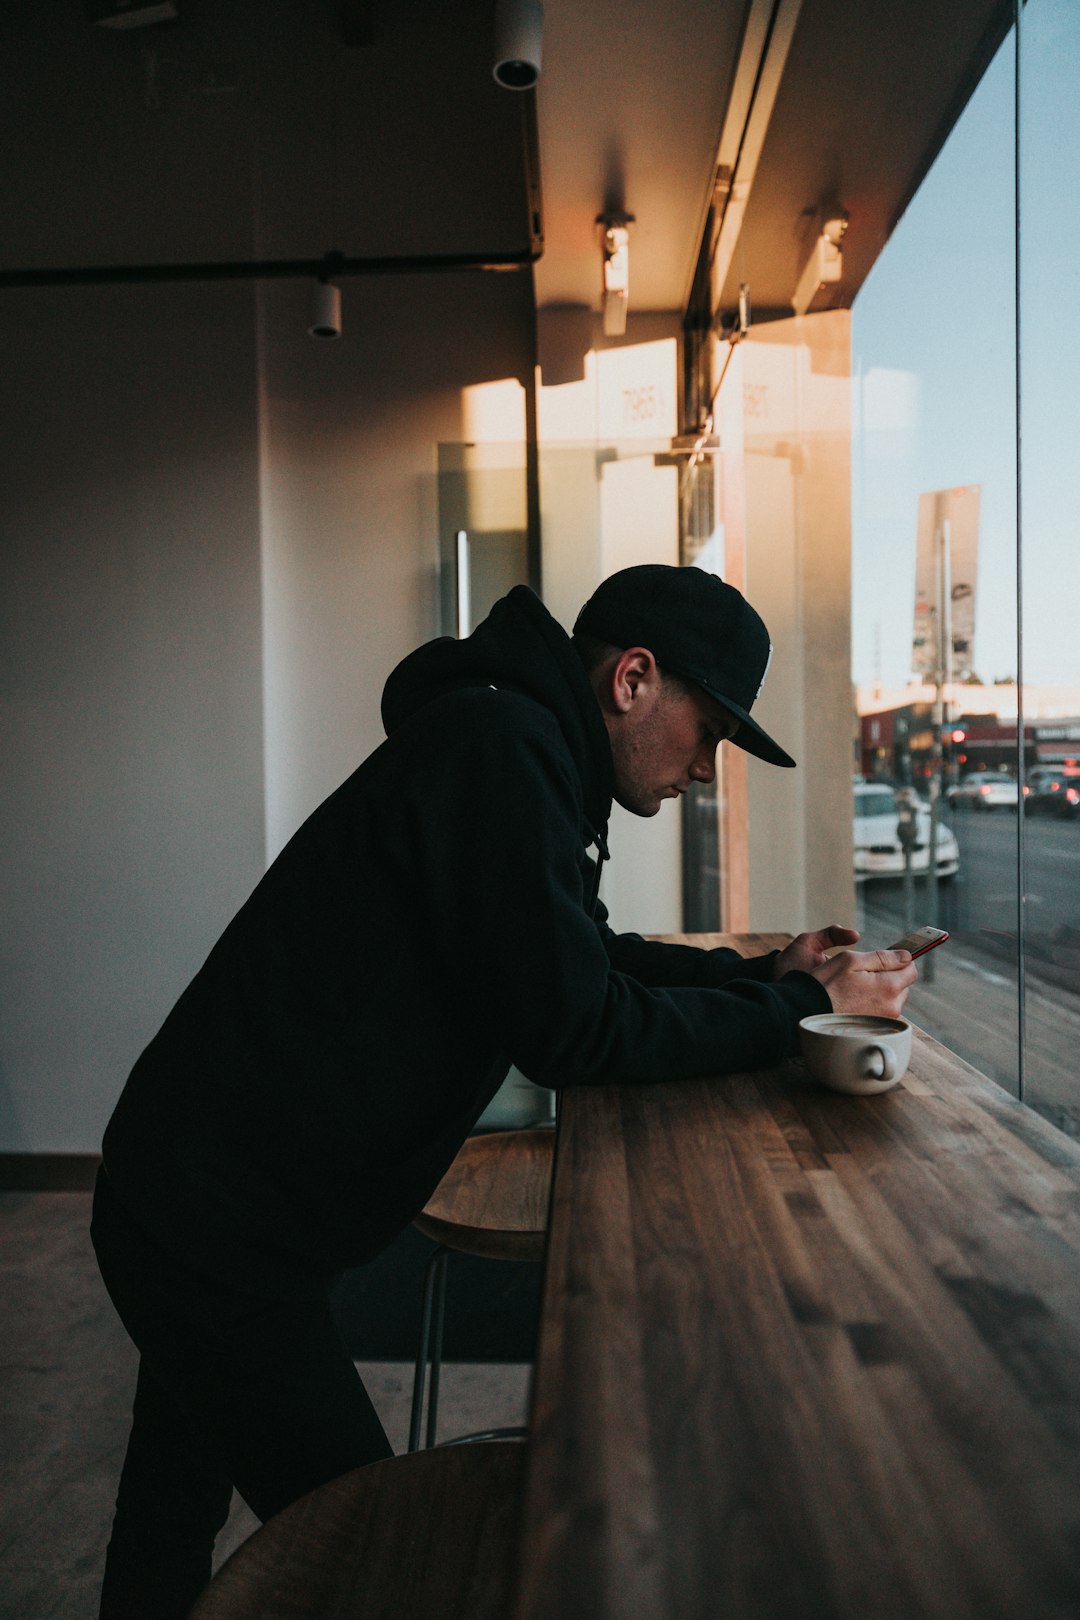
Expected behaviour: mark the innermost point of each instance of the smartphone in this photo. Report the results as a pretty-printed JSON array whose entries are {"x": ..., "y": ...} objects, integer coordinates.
[{"x": 920, "y": 941}]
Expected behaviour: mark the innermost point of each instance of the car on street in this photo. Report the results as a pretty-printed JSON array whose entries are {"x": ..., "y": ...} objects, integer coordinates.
[
  {"x": 1052, "y": 792},
  {"x": 985, "y": 790},
  {"x": 879, "y": 851}
]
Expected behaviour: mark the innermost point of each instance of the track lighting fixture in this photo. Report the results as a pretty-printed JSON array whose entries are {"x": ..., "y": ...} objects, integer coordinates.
[
  {"x": 326, "y": 310},
  {"x": 519, "y": 28},
  {"x": 615, "y": 289},
  {"x": 825, "y": 264}
]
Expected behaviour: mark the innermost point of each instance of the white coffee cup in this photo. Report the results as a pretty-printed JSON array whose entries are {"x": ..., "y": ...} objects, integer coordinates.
[{"x": 855, "y": 1053}]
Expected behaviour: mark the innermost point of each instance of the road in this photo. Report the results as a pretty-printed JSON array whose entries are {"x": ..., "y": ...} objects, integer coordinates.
[{"x": 969, "y": 994}]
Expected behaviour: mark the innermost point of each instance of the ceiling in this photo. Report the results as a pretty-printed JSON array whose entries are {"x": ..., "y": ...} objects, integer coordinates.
[
  {"x": 279, "y": 130},
  {"x": 633, "y": 104}
]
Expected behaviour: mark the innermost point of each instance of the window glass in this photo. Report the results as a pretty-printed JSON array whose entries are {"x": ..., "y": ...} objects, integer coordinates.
[
  {"x": 1049, "y": 258},
  {"x": 935, "y": 650}
]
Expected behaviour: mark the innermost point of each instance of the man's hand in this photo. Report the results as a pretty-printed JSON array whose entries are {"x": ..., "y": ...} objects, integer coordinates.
[
  {"x": 871, "y": 982},
  {"x": 810, "y": 951}
]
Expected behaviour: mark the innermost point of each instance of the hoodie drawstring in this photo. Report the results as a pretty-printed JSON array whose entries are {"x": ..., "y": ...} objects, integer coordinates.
[{"x": 603, "y": 854}]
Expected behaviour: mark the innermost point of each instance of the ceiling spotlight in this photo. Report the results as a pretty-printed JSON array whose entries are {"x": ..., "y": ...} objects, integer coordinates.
[
  {"x": 519, "y": 27},
  {"x": 825, "y": 264},
  {"x": 616, "y": 281},
  {"x": 325, "y": 311}
]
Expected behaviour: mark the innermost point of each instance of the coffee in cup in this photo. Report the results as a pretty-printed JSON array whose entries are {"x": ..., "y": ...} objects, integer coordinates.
[{"x": 855, "y": 1053}]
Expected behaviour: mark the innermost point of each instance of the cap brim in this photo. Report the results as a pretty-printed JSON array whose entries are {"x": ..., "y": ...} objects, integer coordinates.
[{"x": 750, "y": 736}]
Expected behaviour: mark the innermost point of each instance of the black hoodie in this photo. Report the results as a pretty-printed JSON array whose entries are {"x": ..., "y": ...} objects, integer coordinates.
[{"x": 431, "y": 923}]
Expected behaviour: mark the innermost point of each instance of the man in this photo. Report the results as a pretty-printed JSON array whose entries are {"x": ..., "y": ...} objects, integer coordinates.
[{"x": 434, "y": 921}]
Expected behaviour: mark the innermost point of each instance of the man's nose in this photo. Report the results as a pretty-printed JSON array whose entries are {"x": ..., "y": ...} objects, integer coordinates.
[{"x": 704, "y": 767}]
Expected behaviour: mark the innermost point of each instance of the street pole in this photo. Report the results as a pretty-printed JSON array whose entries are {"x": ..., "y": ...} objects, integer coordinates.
[
  {"x": 941, "y": 674},
  {"x": 907, "y": 825}
]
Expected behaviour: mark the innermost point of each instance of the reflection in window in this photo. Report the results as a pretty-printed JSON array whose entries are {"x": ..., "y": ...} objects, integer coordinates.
[
  {"x": 1049, "y": 242},
  {"x": 935, "y": 649}
]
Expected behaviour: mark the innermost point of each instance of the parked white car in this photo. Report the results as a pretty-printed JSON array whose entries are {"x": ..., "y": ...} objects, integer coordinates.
[
  {"x": 878, "y": 850},
  {"x": 985, "y": 790}
]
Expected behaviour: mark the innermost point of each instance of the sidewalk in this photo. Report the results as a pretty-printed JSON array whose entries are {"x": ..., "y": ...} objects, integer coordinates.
[{"x": 968, "y": 998}]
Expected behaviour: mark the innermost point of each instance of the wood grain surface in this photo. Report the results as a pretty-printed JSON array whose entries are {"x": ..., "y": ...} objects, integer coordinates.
[
  {"x": 493, "y": 1201},
  {"x": 428, "y": 1536},
  {"x": 807, "y": 1356}
]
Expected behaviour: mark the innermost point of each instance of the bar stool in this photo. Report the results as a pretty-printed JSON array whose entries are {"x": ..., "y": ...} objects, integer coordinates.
[
  {"x": 492, "y": 1203},
  {"x": 432, "y": 1536}
]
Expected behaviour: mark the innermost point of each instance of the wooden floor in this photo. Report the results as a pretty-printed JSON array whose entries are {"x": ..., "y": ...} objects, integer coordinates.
[{"x": 66, "y": 1379}]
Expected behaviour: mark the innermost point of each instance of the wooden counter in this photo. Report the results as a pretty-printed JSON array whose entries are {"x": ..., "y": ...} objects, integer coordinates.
[{"x": 807, "y": 1356}]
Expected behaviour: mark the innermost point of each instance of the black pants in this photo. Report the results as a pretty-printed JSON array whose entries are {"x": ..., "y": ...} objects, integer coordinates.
[{"x": 233, "y": 1390}]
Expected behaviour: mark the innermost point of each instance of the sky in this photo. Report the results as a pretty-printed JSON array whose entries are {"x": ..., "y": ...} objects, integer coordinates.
[{"x": 935, "y": 358}]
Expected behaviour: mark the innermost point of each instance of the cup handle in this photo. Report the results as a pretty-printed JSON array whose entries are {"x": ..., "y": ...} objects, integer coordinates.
[{"x": 886, "y": 1058}]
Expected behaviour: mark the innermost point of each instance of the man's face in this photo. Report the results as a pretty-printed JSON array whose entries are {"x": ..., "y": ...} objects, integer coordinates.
[{"x": 666, "y": 739}]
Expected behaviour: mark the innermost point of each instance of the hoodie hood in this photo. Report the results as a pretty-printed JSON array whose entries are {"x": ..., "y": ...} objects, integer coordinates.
[{"x": 518, "y": 645}]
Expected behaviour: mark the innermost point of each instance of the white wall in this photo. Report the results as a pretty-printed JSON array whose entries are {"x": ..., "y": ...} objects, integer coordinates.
[
  {"x": 797, "y": 439},
  {"x": 204, "y": 515},
  {"x": 351, "y": 541},
  {"x": 606, "y": 505},
  {"x": 130, "y": 796}
]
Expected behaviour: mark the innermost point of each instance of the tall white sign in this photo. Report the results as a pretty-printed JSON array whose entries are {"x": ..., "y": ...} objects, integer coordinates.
[{"x": 946, "y": 566}]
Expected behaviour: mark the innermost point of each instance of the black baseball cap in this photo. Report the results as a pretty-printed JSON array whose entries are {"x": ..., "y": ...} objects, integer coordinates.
[{"x": 695, "y": 626}]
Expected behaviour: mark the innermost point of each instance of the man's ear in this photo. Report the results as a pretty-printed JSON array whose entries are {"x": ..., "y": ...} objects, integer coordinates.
[{"x": 633, "y": 675}]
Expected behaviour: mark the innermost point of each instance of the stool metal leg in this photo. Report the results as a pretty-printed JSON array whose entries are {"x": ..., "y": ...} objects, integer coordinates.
[
  {"x": 434, "y": 1285},
  {"x": 436, "y": 1350},
  {"x": 518, "y": 1432}
]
